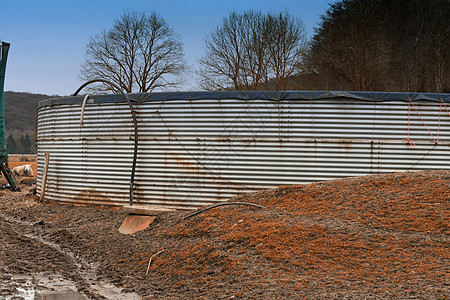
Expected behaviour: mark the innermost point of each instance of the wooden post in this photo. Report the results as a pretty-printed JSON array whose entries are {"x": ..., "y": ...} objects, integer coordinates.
[{"x": 44, "y": 176}]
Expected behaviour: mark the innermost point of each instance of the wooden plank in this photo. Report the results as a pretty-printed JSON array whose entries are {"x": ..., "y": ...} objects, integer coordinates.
[{"x": 148, "y": 210}]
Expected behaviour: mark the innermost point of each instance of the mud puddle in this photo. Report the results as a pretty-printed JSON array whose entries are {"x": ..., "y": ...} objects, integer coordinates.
[
  {"x": 40, "y": 287},
  {"x": 60, "y": 296},
  {"x": 82, "y": 283}
]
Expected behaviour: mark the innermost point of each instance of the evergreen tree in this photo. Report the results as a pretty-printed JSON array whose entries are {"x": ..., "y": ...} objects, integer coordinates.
[
  {"x": 21, "y": 147},
  {"x": 25, "y": 145},
  {"x": 11, "y": 145},
  {"x": 33, "y": 145}
]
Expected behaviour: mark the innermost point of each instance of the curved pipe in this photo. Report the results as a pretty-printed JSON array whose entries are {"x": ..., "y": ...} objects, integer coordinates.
[
  {"x": 222, "y": 204},
  {"x": 83, "y": 106},
  {"x": 133, "y": 115}
]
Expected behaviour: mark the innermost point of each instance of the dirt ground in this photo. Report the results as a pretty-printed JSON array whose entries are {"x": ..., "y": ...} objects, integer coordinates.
[{"x": 374, "y": 237}]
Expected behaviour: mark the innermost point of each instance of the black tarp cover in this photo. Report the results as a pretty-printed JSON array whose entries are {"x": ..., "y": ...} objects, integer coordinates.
[{"x": 254, "y": 95}]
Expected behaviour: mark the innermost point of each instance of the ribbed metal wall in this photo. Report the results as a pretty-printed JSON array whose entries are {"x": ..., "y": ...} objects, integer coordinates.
[{"x": 198, "y": 152}]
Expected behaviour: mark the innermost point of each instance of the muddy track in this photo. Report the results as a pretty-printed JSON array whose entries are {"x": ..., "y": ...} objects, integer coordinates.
[
  {"x": 30, "y": 250},
  {"x": 34, "y": 250}
]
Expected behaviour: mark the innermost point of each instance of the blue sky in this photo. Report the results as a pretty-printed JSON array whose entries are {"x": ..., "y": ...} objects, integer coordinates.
[{"x": 48, "y": 37}]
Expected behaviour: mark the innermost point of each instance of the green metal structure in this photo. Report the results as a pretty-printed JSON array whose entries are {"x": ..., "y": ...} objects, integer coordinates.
[{"x": 3, "y": 154}]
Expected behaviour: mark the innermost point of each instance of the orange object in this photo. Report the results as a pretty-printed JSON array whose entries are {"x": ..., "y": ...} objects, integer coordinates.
[{"x": 135, "y": 223}]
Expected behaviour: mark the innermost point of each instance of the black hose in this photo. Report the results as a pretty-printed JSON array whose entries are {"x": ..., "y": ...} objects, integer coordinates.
[
  {"x": 222, "y": 204},
  {"x": 133, "y": 115}
]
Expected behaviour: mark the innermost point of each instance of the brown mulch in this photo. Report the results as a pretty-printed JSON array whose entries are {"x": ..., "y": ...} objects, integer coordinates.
[{"x": 381, "y": 236}]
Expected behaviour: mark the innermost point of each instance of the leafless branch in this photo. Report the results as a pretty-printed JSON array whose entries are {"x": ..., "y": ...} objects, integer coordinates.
[{"x": 140, "y": 53}]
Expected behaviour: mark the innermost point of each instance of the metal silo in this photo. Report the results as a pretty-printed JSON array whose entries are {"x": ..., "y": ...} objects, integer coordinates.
[{"x": 200, "y": 148}]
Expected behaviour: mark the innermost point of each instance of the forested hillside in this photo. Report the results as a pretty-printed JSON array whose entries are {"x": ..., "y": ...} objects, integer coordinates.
[{"x": 20, "y": 119}]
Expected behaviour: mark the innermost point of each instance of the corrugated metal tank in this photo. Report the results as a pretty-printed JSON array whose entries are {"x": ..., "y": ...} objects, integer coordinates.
[{"x": 200, "y": 148}]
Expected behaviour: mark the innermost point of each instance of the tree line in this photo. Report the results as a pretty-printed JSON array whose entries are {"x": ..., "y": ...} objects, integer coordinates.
[
  {"x": 392, "y": 45},
  {"x": 366, "y": 45},
  {"x": 20, "y": 145}
]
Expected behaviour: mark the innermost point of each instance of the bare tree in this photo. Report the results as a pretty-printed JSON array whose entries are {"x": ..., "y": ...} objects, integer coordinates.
[
  {"x": 222, "y": 65},
  {"x": 139, "y": 53},
  {"x": 250, "y": 49},
  {"x": 286, "y": 45}
]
